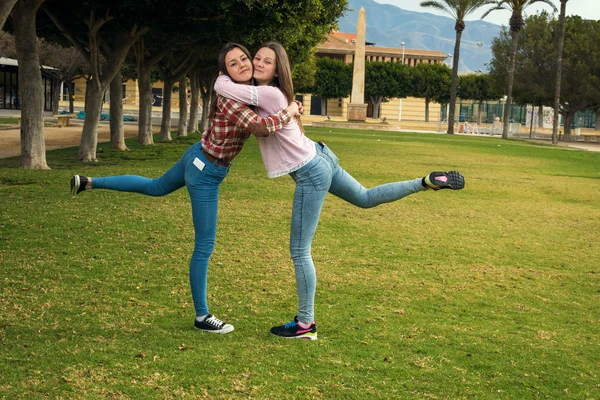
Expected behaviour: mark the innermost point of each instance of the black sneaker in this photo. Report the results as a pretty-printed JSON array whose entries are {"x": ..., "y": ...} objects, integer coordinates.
[
  {"x": 213, "y": 325},
  {"x": 78, "y": 184},
  {"x": 292, "y": 330},
  {"x": 444, "y": 180}
]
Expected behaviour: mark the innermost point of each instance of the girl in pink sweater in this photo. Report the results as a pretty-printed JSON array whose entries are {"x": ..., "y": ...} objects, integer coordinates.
[{"x": 316, "y": 171}]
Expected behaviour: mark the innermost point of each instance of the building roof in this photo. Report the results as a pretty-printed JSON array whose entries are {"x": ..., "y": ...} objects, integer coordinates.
[
  {"x": 14, "y": 63},
  {"x": 341, "y": 43},
  {"x": 9, "y": 61}
]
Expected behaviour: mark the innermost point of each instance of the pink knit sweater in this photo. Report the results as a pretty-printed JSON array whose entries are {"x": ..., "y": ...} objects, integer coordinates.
[{"x": 287, "y": 149}]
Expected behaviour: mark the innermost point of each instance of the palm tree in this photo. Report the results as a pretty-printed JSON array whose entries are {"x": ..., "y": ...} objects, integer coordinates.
[
  {"x": 458, "y": 10},
  {"x": 516, "y": 22},
  {"x": 561, "y": 41}
]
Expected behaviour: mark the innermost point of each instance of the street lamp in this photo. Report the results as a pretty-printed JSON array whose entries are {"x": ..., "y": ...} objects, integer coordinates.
[
  {"x": 480, "y": 45},
  {"x": 402, "y": 44}
]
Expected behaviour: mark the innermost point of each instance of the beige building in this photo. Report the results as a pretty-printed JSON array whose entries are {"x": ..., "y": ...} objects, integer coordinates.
[{"x": 341, "y": 46}]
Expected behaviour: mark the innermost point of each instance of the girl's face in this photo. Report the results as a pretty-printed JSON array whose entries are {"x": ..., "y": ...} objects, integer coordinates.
[
  {"x": 238, "y": 66},
  {"x": 265, "y": 66}
]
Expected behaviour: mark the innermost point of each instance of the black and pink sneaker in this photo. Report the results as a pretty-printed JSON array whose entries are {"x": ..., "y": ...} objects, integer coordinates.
[
  {"x": 292, "y": 330},
  {"x": 444, "y": 180}
]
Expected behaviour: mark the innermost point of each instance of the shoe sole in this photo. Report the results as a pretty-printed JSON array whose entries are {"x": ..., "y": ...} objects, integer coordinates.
[
  {"x": 305, "y": 337},
  {"x": 228, "y": 329},
  {"x": 455, "y": 180},
  {"x": 75, "y": 183}
]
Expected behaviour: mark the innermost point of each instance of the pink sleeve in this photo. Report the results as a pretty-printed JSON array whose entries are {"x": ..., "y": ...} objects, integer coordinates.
[{"x": 268, "y": 98}]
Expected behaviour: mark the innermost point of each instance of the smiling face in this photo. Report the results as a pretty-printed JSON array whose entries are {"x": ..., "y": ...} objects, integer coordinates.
[
  {"x": 238, "y": 66},
  {"x": 265, "y": 66}
]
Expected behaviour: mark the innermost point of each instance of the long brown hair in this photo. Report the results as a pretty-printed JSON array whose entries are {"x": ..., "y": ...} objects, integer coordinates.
[
  {"x": 222, "y": 65},
  {"x": 283, "y": 80}
]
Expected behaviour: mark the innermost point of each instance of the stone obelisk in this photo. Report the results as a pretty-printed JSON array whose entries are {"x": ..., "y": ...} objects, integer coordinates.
[{"x": 357, "y": 109}]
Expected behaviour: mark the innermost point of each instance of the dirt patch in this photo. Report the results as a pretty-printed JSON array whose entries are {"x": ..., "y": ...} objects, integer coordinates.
[{"x": 56, "y": 138}]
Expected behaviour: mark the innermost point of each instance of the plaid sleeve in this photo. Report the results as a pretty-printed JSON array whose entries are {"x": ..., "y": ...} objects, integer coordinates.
[
  {"x": 242, "y": 116},
  {"x": 239, "y": 114}
]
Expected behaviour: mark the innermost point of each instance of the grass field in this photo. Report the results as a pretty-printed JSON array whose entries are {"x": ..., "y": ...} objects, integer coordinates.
[{"x": 492, "y": 292}]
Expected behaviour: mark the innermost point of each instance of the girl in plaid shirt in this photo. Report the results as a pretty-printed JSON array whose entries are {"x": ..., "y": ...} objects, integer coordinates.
[
  {"x": 316, "y": 171},
  {"x": 201, "y": 170}
]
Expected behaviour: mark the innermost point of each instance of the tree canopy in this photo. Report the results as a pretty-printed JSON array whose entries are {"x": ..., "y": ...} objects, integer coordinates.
[{"x": 536, "y": 64}]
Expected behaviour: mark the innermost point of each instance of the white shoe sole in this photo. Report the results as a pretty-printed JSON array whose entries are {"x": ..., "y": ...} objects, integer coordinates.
[
  {"x": 226, "y": 329},
  {"x": 76, "y": 184}
]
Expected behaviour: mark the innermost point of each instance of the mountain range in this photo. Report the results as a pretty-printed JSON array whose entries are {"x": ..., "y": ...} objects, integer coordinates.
[{"x": 388, "y": 26}]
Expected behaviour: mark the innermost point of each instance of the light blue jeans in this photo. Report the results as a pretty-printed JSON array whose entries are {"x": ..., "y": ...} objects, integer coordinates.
[
  {"x": 313, "y": 181},
  {"x": 203, "y": 188}
]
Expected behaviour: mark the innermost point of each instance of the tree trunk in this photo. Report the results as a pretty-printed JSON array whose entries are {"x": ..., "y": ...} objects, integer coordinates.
[
  {"x": 597, "y": 119},
  {"x": 207, "y": 98},
  {"x": 182, "y": 127},
  {"x": 55, "y": 95},
  {"x": 71, "y": 95},
  {"x": 6, "y": 7},
  {"x": 479, "y": 112},
  {"x": 376, "y": 100},
  {"x": 557, "y": 82},
  {"x": 31, "y": 89},
  {"x": 511, "y": 79},
  {"x": 195, "y": 89},
  {"x": 206, "y": 84},
  {"x": 323, "y": 106},
  {"x": 117, "y": 133},
  {"x": 145, "y": 105},
  {"x": 165, "y": 125},
  {"x": 454, "y": 84},
  {"x": 94, "y": 95},
  {"x": 426, "y": 110},
  {"x": 541, "y": 116},
  {"x": 569, "y": 117}
]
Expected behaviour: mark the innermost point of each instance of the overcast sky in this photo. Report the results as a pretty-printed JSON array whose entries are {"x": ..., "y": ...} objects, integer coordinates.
[{"x": 588, "y": 9}]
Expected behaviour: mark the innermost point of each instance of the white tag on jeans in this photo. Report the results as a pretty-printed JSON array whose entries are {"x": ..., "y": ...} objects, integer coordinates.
[{"x": 199, "y": 164}]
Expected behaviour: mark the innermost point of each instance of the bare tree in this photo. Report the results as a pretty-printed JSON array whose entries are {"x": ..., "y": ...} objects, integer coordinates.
[
  {"x": 195, "y": 91},
  {"x": 104, "y": 61},
  {"x": 146, "y": 60},
  {"x": 182, "y": 126},
  {"x": 172, "y": 70},
  {"x": 66, "y": 63},
  {"x": 117, "y": 133},
  {"x": 31, "y": 89}
]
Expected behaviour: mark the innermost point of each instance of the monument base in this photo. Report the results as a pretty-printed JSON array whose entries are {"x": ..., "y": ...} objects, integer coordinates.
[{"x": 357, "y": 112}]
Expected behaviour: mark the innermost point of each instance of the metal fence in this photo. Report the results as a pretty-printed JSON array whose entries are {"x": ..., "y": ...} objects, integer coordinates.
[{"x": 468, "y": 111}]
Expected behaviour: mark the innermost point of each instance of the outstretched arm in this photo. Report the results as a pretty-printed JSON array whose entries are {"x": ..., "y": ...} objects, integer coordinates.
[
  {"x": 243, "y": 117},
  {"x": 261, "y": 96}
]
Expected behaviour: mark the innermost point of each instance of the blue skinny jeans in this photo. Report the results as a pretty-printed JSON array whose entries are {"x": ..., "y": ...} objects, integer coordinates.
[
  {"x": 203, "y": 188},
  {"x": 313, "y": 181}
]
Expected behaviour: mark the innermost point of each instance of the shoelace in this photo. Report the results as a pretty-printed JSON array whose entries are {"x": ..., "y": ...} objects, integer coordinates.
[
  {"x": 214, "y": 321},
  {"x": 290, "y": 325}
]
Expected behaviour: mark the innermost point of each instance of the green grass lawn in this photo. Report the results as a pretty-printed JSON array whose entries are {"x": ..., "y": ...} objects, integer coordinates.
[{"x": 492, "y": 292}]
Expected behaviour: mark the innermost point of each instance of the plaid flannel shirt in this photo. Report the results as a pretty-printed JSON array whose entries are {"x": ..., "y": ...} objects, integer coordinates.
[{"x": 227, "y": 132}]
